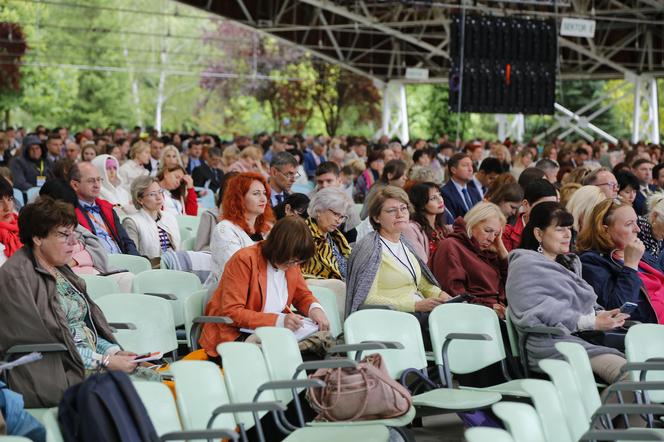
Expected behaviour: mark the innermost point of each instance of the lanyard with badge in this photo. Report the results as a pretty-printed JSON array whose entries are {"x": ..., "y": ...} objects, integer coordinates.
[{"x": 41, "y": 179}]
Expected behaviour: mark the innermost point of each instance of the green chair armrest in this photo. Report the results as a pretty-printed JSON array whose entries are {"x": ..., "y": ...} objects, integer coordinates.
[
  {"x": 201, "y": 434},
  {"x": 122, "y": 326},
  {"x": 42, "y": 348},
  {"x": 167, "y": 296},
  {"x": 363, "y": 346},
  {"x": 469, "y": 336},
  {"x": 615, "y": 435},
  {"x": 212, "y": 320},
  {"x": 375, "y": 307},
  {"x": 327, "y": 363}
]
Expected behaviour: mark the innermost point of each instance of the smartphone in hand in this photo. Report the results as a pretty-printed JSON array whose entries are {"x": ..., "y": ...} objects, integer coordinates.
[{"x": 628, "y": 308}]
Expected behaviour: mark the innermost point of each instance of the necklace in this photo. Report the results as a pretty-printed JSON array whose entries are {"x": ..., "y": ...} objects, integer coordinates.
[{"x": 407, "y": 264}]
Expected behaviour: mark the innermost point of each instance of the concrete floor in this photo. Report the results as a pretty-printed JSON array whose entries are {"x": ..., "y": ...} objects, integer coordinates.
[{"x": 443, "y": 428}]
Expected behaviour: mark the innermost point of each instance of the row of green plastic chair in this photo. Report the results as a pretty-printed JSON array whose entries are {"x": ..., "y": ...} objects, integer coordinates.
[{"x": 568, "y": 407}]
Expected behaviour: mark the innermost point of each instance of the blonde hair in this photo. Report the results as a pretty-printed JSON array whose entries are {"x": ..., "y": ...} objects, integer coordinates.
[
  {"x": 169, "y": 148},
  {"x": 593, "y": 235},
  {"x": 137, "y": 148},
  {"x": 230, "y": 155},
  {"x": 252, "y": 152},
  {"x": 582, "y": 203},
  {"x": 566, "y": 193},
  {"x": 480, "y": 213}
]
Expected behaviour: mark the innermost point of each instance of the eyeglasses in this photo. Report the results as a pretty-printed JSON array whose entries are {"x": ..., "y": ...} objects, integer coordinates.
[
  {"x": 393, "y": 211},
  {"x": 611, "y": 185},
  {"x": 154, "y": 194},
  {"x": 92, "y": 180},
  {"x": 290, "y": 175},
  {"x": 339, "y": 216},
  {"x": 66, "y": 237}
]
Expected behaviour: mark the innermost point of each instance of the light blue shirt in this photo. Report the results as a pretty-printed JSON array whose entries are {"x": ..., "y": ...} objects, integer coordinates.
[{"x": 100, "y": 229}]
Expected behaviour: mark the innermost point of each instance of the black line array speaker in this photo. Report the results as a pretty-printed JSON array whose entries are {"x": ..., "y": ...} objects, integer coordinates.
[{"x": 509, "y": 65}]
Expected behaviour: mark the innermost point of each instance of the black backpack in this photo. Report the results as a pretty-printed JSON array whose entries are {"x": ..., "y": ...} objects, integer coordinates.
[{"x": 105, "y": 408}]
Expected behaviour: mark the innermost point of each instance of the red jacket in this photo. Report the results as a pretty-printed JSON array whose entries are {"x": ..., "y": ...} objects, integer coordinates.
[
  {"x": 190, "y": 203},
  {"x": 241, "y": 296},
  {"x": 512, "y": 234},
  {"x": 117, "y": 232},
  {"x": 461, "y": 267}
]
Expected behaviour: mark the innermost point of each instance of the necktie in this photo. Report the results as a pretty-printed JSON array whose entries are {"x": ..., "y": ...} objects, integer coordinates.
[
  {"x": 94, "y": 208},
  {"x": 466, "y": 198},
  {"x": 279, "y": 197}
]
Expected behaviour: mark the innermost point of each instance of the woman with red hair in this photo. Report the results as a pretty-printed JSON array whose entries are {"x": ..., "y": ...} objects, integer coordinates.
[{"x": 247, "y": 218}]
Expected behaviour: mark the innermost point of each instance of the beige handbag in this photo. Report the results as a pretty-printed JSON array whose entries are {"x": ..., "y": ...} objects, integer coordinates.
[{"x": 365, "y": 393}]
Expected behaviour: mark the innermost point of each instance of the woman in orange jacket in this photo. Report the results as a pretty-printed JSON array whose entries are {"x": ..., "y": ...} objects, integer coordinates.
[{"x": 260, "y": 283}]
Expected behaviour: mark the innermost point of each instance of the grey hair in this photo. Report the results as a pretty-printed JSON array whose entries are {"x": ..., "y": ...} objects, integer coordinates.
[
  {"x": 283, "y": 159},
  {"x": 138, "y": 188},
  {"x": 591, "y": 178},
  {"x": 329, "y": 198},
  {"x": 546, "y": 164}
]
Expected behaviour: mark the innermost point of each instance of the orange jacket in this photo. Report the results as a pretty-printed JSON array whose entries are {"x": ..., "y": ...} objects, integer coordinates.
[{"x": 241, "y": 296}]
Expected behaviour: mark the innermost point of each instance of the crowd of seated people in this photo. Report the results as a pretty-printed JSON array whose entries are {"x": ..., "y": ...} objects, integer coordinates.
[{"x": 562, "y": 236}]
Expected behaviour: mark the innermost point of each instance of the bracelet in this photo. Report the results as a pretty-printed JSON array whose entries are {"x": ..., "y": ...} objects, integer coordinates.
[{"x": 106, "y": 360}]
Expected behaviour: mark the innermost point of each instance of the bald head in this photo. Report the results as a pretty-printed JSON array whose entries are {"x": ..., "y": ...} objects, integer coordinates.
[{"x": 85, "y": 180}]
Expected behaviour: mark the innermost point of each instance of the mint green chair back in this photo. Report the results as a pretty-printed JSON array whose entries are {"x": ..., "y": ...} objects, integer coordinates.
[
  {"x": 512, "y": 334},
  {"x": 521, "y": 420},
  {"x": 97, "y": 286},
  {"x": 282, "y": 356},
  {"x": 49, "y": 419},
  {"x": 549, "y": 409},
  {"x": 152, "y": 316},
  {"x": 193, "y": 307},
  {"x": 636, "y": 351},
  {"x": 484, "y": 434},
  {"x": 160, "y": 405},
  {"x": 577, "y": 358},
  {"x": 32, "y": 194},
  {"x": 364, "y": 433},
  {"x": 199, "y": 390},
  {"x": 244, "y": 372},
  {"x": 14, "y": 439},
  {"x": 328, "y": 300},
  {"x": 388, "y": 325},
  {"x": 188, "y": 244},
  {"x": 466, "y": 356},
  {"x": 135, "y": 264},
  {"x": 188, "y": 225},
  {"x": 563, "y": 379},
  {"x": 175, "y": 282}
]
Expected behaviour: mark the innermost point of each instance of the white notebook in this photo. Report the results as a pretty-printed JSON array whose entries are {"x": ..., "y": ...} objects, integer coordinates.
[{"x": 308, "y": 328}]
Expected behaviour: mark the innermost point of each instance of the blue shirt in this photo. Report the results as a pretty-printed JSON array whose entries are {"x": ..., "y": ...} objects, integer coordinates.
[{"x": 459, "y": 189}]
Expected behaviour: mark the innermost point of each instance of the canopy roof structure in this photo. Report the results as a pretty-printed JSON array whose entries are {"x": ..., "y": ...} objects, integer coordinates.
[{"x": 381, "y": 38}]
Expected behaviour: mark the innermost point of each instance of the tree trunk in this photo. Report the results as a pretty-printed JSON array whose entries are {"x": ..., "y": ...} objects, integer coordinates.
[{"x": 7, "y": 121}]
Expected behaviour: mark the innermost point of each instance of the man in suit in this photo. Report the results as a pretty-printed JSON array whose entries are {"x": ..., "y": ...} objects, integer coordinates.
[
  {"x": 458, "y": 195},
  {"x": 489, "y": 170},
  {"x": 195, "y": 155},
  {"x": 283, "y": 174},
  {"x": 95, "y": 214},
  {"x": 658, "y": 177},
  {"x": 642, "y": 168},
  {"x": 209, "y": 173}
]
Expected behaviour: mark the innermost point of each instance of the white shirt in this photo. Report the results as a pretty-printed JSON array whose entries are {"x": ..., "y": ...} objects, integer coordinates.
[
  {"x": 155, "y": 166},
  {"x": 277, "y": 294},
  {"x": 479, "y": 186}
]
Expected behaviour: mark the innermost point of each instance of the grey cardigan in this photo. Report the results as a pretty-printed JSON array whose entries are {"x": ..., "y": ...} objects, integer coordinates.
[
  {"x": 541, "y": 292},
  {"x": 363, "y": 266}
]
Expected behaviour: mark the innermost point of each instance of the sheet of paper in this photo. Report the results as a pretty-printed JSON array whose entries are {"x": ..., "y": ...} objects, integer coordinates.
[
  {"x": 152, "y": 357},
  {"x": 308, "y": 328}
]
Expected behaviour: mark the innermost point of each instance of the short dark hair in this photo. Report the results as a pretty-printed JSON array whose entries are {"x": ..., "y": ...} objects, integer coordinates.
[
  {"x": 539, "y": 189},
  {"x": 396, "y": 168},
  {"x": 38, "y": 219},
  {"x": 419, "y": 154},
  {"x": 455, "y": 159},
  {"x": 283, "y": 159},
  {"x": 580, "y": 151},
  {"x": 529, "y": 175},
  {"x": 542, "y": 216},
  {"x": 327, "y": 167},
  {"x": 290, "y": 239},
  {"x": 60, "y": 190},
  {"x": 491, "y": 165},
  {"x": 656, "y": 169},
  {"x": 640, "y": 161},
  {"x": 627, "y": 179},
  {"x": 511, "y": 192},
  {"x": 214, "y": 152},
  {"x": 6, "y": 189},
  {"x": 298, "y": 202}
]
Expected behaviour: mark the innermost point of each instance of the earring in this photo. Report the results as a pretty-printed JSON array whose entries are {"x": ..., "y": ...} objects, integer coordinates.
[{"x": 540, "y": 249}]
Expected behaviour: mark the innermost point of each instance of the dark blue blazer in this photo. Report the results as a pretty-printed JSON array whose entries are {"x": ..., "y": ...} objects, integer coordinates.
[
  {"x": 616, "y": 284},
  {"x": 640, "y": 205},
  {"x": 453, "y": 200}
]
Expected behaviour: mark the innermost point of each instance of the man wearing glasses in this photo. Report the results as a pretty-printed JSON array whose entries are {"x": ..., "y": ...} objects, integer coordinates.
[
  {"x": 604, "y": 179},
  {"x": 283, "y": 173},
  {"x": 95, "y": 214}
]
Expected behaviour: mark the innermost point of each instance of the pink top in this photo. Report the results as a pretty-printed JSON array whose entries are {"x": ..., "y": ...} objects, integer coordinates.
[
  {"x": 653, "y": 281},
  {"x": 83, "y": 261}
]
